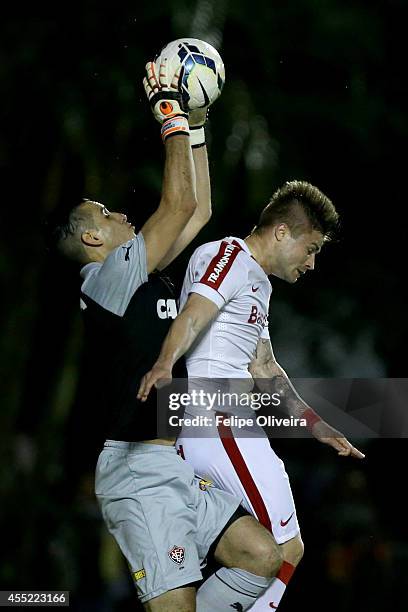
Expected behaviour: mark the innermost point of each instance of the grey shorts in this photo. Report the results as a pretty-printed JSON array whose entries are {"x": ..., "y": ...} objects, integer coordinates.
[{"x": 162, "y": 518}]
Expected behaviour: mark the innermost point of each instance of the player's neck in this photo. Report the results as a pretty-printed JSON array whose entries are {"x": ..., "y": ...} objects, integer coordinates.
[
  {"x": 97, "y": 255},
  {"x": 254, "y": 244}
]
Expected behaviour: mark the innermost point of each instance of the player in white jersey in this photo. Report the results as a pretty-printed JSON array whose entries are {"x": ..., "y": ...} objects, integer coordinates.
[
  {"x": 225, "y": 273},
  {"x": 222, "y": 328}
]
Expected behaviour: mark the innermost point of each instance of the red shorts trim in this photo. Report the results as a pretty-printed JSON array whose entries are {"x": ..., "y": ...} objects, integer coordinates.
[{"x": 240, "y": 467}]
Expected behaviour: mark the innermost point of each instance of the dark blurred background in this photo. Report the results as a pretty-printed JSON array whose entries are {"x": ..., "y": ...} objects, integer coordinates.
[{"x": 314, "y": 91}]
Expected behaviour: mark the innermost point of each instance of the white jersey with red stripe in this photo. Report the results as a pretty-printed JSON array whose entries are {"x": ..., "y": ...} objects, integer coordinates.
[{"x": 225, "y": 272}]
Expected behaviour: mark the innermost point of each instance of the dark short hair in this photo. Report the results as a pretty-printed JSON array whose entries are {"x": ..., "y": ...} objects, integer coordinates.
[
  {"x": 295, "y": 196},
  {"x": 63, "y": 230}
]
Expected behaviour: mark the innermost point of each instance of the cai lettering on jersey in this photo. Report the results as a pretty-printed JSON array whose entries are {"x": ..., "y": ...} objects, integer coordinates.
[{"x": 166, "y": 309}]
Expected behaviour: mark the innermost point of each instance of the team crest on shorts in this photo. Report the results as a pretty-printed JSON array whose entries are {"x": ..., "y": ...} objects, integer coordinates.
[
  {"x": 204, "y": 484},
  {"x": 177, "y": 555}
]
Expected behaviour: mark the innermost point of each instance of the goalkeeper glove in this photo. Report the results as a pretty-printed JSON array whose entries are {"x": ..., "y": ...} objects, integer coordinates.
[
  {"x": 165, "y": 100},
  {"x": 196, "y": 121}
]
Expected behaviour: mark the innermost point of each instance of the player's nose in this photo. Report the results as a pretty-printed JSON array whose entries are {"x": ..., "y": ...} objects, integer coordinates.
[{"x": 310, "y": 262}]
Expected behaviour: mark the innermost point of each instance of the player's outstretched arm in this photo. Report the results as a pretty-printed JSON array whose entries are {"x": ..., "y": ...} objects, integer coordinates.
[
  {"x": 202, "y": 213},
  {"x": 177, "y": 204},
  {"x": 196, "y": 315},
  {"x": 178, "y": 201},
  {"x": 271, "y": 377}
]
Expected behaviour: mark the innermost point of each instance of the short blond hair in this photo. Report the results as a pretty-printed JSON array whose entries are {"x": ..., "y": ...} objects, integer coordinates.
[{"x": 295, "y": 196}]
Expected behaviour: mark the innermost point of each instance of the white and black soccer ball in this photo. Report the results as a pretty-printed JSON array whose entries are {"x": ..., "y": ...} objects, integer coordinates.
[{"x": 202, "y": 72}]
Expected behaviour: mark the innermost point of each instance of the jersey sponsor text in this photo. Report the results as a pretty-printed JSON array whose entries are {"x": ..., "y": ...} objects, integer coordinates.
[
  {"x": 220, "y": 264},
  {"x": 258, "y": 317}
]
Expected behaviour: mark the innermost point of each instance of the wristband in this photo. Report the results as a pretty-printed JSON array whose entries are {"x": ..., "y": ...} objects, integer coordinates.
[
  {"x": 174, "y": 126},
  {"x": 197, "y": 137},
  {"x": 311, "y": 418}
]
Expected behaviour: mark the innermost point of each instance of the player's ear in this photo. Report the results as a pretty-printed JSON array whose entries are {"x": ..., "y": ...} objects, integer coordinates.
[
  {"x": 91, "y": 238},
  {"x": 280, "y": 231}
]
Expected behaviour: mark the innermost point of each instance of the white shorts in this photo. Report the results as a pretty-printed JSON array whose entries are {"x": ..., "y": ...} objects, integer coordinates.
[{"x": 246, "y": 467}]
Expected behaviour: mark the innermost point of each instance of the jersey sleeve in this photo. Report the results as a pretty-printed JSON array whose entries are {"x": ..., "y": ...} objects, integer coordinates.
[
  {"x": 113, "y": 284},
  {"x": 220, "y": 277}
]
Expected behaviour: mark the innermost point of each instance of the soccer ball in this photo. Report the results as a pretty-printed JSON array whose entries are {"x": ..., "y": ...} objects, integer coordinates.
[{"x": 202, "y": 72}]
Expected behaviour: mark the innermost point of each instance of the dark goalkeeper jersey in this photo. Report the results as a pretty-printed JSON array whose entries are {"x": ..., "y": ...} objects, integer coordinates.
[{"x": 127, "y": 315}]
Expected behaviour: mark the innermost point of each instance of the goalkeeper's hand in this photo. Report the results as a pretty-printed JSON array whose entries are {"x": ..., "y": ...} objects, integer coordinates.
[
  {"x": 164, "y": 98},
  {"x": 197, "y": 118},
  {"x": 196, "y": 121}
]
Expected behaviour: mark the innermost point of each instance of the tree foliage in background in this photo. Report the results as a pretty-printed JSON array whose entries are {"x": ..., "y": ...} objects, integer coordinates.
[{"x": 313, "y": 91}]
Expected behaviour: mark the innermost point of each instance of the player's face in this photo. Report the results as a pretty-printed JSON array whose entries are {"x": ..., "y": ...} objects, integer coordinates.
[
  {"x": 297, "y": 255},
  {"x": 113, "y": 227}
]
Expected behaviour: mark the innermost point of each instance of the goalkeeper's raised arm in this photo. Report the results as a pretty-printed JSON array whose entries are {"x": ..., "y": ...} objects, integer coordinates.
[
  {"x": 178, "y": 201},
  {"x": 179, "y": 85},
  {"x": 202, "y": 213}
]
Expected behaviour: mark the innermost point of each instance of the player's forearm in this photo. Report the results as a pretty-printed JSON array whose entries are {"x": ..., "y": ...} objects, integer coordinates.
[
  {"x": 178, "y": 189},
  {"x": 201, "y": 214},
  {"x": 290, "y": 399},
  {"x": 179, "y": 339},
  {"x": 273, "y": 378},
  {"x": 203, "y": 185}
]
